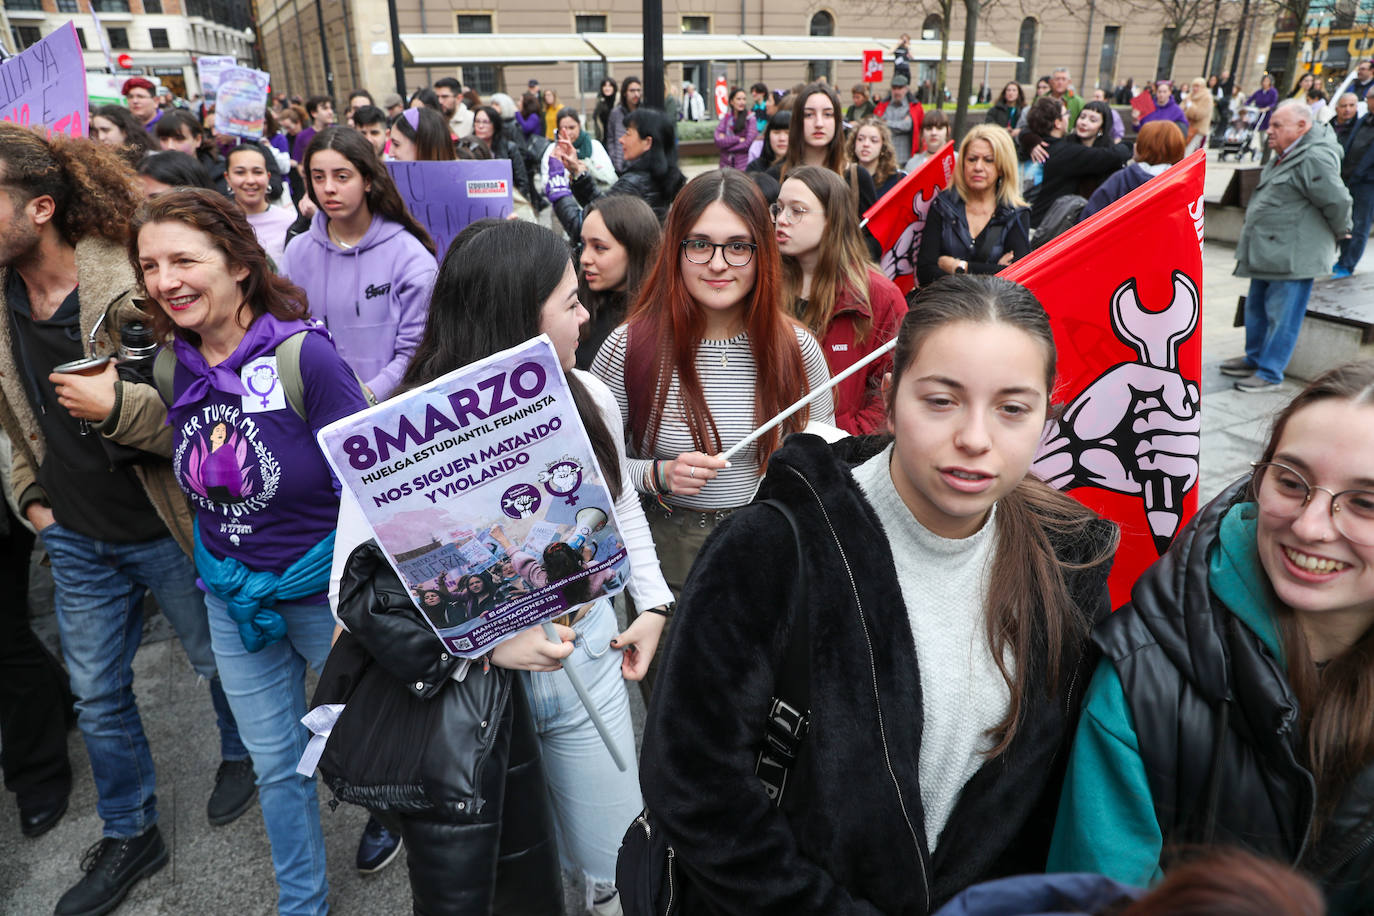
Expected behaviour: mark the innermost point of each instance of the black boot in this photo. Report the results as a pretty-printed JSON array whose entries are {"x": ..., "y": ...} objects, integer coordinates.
[{"x": 112, "y": 867}]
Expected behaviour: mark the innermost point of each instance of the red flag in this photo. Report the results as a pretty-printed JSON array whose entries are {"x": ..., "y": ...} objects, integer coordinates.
[
  {"x": 896, "y": 220},
  {"x": 722, "y": 97},
  {"x": 1123, "y": 291},
  {"x": 873, "y": 66}
]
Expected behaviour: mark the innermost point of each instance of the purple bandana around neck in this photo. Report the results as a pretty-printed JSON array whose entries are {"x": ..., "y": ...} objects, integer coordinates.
[{"x": 264, "y": 335}]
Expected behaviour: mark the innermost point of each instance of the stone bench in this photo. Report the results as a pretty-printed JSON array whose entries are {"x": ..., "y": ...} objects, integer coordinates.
[{"x": 1338, "y": 326}]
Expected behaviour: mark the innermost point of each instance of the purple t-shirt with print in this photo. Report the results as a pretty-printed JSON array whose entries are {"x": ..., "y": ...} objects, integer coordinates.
[{"x": 251, "y": 467}]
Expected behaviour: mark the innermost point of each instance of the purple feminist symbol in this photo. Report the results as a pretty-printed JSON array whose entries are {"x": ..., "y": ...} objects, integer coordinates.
[
  {"x": 562, "y": 478},
  {"x": 262, "y": 377},
  {"x": 521, "y": 501}
]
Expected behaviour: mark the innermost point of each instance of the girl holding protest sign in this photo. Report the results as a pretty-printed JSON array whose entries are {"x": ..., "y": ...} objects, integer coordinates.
[
  {"x": 1233, "y": 702},
  {"x": 264, "y": 499},
  {"x": 366, "y": 265},
  {"x": 835, "y": 290},
  {"x": 502, "y": 283},
  {"x": 949, "y": 594}
]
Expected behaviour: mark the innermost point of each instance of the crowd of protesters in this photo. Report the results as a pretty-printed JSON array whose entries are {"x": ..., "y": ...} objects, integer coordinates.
[{"x": 976, "y": 711}]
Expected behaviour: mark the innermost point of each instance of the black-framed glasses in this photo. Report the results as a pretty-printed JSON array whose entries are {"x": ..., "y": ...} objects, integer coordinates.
[
  {"x": 736, "y": 254},
  {"x": 1283, "y": 493}
]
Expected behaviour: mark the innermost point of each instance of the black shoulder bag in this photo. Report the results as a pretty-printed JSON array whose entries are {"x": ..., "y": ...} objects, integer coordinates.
[{"x": 645, "y": 874}]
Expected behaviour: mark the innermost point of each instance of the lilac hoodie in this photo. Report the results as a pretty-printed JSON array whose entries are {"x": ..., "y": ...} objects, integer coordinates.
[{"x": 374, "y": 298}]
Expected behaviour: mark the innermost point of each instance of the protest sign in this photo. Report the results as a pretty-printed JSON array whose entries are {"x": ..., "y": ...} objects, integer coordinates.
[
  {"x": 446, "y": 196},
  {"x": 897, "y": 219},
  {"x": 1143, "y": 103},
  {"x": 208, "y": 71},
  {"x": 494, "y": 452},
  {"x": 241, "y": 102},
  {"x": 1123, "y": 291},
  {"x": 45, "y": 85}
]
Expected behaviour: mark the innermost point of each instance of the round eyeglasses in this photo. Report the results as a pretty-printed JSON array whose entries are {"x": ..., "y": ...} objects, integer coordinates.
[
  {"x": 736, "y": 254},
  {"x": 1283, "y": 493}
]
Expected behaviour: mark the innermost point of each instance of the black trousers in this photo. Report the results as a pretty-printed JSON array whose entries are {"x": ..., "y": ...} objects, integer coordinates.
[{"x": 34, "y": 698}]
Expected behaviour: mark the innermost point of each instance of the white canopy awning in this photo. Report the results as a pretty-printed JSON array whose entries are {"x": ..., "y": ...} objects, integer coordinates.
[
  {"x": 811, "y": 47},
  {"x": 628, "y": 47},
  {"x": 433, "y": 50}
]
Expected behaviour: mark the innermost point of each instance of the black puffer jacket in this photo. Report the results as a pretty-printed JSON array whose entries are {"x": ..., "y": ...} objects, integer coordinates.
[
  {"x": 851, "y": 836},
  {"x": 1219, "y": 728},
  {"x": 454, "y": 763},
  {"x": 635, "y": 180}
]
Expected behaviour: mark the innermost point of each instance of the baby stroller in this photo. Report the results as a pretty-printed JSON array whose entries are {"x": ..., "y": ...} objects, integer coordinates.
[{"x": 1239, "y": 138}]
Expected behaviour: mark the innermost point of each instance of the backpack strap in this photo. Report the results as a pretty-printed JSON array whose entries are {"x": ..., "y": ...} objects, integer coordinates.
[
  {"x": 789, "y": 713},
  {"x": 164, "y": 373},
  {"x": 289, "y": 371}
]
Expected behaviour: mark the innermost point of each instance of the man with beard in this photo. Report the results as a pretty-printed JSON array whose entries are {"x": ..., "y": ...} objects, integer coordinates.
[
  {"x": 110, "y": 516},
  {"x": 450, "y": 93}
]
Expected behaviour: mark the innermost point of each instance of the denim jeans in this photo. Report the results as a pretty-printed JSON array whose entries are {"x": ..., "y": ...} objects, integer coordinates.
[
  {"x": 100, "y": 586},
  {"x": 267, "y": 692},
  {"x": 1273, "y": 318},
  {"x": 593, "y": 802},
  {"x": 1362, "y": 220}
]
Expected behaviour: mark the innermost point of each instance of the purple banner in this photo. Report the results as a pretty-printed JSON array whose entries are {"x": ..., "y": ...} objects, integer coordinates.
[
  {"x": 446, "y": 196},
  {"x": 45, "y": 85}
]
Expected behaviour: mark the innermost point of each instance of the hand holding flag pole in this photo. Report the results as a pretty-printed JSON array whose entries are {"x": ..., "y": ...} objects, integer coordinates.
[{"x": 588, "y": 703}]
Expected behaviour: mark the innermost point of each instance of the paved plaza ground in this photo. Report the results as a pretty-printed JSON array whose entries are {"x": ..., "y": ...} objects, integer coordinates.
[{"x": 227, "y": 870}]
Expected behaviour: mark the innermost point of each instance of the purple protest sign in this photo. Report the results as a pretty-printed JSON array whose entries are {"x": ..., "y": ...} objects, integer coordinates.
[
  {"x": 45, "y": 85},
  {"x": 446, "y": 196}
]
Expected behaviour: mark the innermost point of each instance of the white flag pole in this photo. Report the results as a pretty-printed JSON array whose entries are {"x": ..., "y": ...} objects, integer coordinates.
[{"x": 738, "y": 446}]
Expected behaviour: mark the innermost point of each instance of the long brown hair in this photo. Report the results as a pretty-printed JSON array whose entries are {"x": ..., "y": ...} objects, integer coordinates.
[
  {"x": 666, "y": 326},
  {"x": 632, "y": 223},
  {"x": 91, "y": 185},
  {"x": 1336, "y": 702},
  {"x": 842, "y": 262},
  {"x": 887, "y": 164},
  {"x": 1030, "y": 613},
  {"x": 214, "y": 214},
  {"x": 1230, "y": 882},
  {"x": 382, "y": 197},
  {"x": 836, "y": 159}
]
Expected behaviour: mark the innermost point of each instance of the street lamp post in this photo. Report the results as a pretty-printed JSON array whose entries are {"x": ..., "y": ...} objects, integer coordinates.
[
  {"x": 653, "y": 53},
  {"x": 324, "y": 52},
  {"x": 396, "y": 58}
]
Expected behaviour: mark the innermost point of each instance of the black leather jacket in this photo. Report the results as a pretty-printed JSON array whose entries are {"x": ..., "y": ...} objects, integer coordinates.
[
  {"x": 456, "y": 762},
  {"x": 637, "y": 181},
  {"x": 1219, "y": 726}
]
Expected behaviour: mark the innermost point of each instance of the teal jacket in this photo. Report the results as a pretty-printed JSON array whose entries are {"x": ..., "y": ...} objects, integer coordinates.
[{"x": 1106, "y": 821}]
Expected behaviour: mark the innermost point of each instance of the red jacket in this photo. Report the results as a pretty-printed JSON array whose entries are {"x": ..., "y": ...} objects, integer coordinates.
[{"x": 858, "y": 399}]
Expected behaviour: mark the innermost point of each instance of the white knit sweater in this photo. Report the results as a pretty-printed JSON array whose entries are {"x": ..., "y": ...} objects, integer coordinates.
[{"x": 944, "y": 583}]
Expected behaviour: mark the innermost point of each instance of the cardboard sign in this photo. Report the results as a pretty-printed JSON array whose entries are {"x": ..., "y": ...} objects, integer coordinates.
[
  {"x": 1130, "y": 354},
  {"x": 873, "y": 66},
  {"x": 45, "y": 85},
  {"x": 241, "y": 102},
  {"x": 498, "y": 448},
  {"x": 446, "y": 196},
  {"x": 208, "y": 71},
  {"x": 897, "y": 219}
]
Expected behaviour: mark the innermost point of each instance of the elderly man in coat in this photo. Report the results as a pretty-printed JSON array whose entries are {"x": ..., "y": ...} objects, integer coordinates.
[{"x": 1299, "y": 211}]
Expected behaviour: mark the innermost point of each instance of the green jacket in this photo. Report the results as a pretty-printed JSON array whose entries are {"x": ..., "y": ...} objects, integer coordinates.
[
  {"x": 1107, "y": 821},
  {"x": 1298, "y": 213}
]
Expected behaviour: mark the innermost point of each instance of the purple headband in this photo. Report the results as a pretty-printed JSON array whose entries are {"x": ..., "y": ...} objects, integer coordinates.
[{"x": 412, "y": 116}]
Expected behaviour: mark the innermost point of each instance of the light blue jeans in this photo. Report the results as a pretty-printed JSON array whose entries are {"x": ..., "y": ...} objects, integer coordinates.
[
  {"x": 266, "y": 690},
  {"x": 593, "y": 801}
]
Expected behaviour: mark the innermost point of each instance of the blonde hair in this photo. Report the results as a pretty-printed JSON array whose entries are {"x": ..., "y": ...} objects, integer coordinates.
[
  {"x": 1003, "y": 155},
  {"x": 886, "y": 166}
]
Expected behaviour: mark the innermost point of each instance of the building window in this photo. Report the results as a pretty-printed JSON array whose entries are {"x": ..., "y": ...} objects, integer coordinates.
[
  {"x": 932, "y": 27},
  {"x": 1106, "y": 65},
  {"x": 1025, "y": 49},
  {"x": 481, "y": 77},
  {"x": 68, "y": 6},
  {"x": 696, "y": 25},
  {"x": 152, "y": 6},
  {"x": 25, "y": 35},
  {"x": 1219, "y": 52},
  {"x": 110, "y": 6},
  {"x": 590, "y": 73},
  {"x": 34, "y": 5},
  {"x": 159, "y": 38},
  {"x": 119, "y": 39},
  {"x": 1168, "y": 46},
  {"x": 81, "y": 38},
  {"x": 822, "y": 25}
]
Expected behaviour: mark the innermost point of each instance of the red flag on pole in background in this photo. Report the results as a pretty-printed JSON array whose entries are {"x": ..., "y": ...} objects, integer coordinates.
[
  {"x": 897, "y": 218},
  {"x": 722, "y": 97},
  {"x": 1123, "y": 292},
  {"x": 873, "y": 66}
]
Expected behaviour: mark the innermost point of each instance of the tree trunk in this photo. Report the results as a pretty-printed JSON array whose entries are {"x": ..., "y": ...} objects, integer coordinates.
[
  {"x": 946, "y": 7},
  {"x": 966, "y": 68}
]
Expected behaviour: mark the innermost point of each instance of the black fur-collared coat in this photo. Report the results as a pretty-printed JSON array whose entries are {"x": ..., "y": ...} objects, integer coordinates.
[{"x": 850, "y": 836}]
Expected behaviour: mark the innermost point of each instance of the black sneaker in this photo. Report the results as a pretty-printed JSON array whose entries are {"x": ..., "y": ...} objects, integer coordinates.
[
  {"x": 235, "y": 789},
  {"x": 112, "y": 866},
  {"x": 377, "y": 847}
]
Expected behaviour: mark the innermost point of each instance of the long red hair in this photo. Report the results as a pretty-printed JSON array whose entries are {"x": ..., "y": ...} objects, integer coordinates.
[{"x": 666, "y": 325}]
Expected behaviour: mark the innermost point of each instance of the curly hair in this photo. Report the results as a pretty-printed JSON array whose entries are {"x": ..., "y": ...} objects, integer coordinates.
[
  {"x": 887, "y": 164},
  {"x": 93, "y": 189},
  {"x": 229, "y": 231}
]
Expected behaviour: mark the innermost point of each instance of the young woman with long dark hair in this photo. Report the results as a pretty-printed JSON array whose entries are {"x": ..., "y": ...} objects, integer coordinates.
[
  {"x": 420, "y": 135},
  {"x": 1235, "y": 701},
  {"x": 114, "y": 125},
  {"x": 817, "y": 138},
  {"x": 1006, "y": 111},
  {"x": 499, "y": 286},
  {"x": 366, "y": 265},
  {"x": 736, "y": 131},
  {"x": 708, "y": 354},
  {"x": 619, "y": 244},
  {"x": 605, "y": 101},
  {"x": 949, "y": 597},
  {"x": 835, "y": 290},
  {"x": 578, "y": 147},
  {"x": 772, "y": 141},
  {"x": 870, "y": 145}
]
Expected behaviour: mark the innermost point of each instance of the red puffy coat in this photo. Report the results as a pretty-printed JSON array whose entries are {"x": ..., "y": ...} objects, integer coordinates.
[{"x": 858, "y": 399}]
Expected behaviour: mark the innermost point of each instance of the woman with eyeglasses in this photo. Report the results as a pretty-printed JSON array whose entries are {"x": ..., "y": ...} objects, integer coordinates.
[
  {"x": 708, "y": 355},
  {"x": 1235, "y": 701},
  {"x": 835, "y": 290}
]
